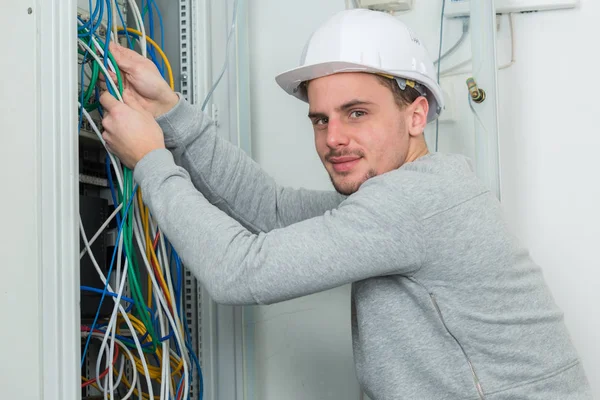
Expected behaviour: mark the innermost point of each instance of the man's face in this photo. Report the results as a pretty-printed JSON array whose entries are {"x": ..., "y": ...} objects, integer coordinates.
[{"x": 360, "y": 132}]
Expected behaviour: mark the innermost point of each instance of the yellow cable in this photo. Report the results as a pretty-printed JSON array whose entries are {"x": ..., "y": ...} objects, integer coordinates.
[
  {"x": 162, "y": 54},
  {"x": 155, "y": 372},
  {"x": 151, "y": 254},
  {"x": 143, "y": 212},
  {"x": 135, "y": 391}
]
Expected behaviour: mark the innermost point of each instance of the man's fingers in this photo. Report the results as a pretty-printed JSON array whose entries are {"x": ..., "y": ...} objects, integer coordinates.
[
  {"x": 102, "y": 80},
  {"x": 108, "y": 101},
  {"x": 132, "y": 101},
  {"x": 125, "y": 58}
]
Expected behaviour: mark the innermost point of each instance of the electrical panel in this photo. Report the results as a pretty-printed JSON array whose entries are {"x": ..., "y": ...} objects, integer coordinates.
[
  {"x": 151, "y": 331},
  {"x": 461, "y": 8}
]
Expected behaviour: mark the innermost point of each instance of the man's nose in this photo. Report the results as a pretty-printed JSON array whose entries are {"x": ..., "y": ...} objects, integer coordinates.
[{"x": 336, "y": 134}]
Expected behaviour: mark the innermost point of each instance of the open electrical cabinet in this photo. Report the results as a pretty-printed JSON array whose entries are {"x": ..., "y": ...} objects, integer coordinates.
[{"x": 199, "y": 47}]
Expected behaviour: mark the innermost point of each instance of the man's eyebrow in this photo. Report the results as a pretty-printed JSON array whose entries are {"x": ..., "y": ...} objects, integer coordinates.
[
  {"x": 343, "y": 107},
  {"x": 318, "y": 115},
  {"x": 353, "y": 103}
]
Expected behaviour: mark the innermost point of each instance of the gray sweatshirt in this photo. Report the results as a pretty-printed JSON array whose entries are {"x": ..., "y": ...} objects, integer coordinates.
[{"x": 445, "y": 302}]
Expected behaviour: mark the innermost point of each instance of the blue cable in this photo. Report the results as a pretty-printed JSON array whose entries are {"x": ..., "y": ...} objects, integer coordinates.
[
  {"x": 87, "y": 24},
  {"x": 82, "y": 77},
  {"x": 179, "y": 386},
  {"x": 148, "y": 47},
  {"x": 106, "y": 42},
  {"x": 125, "y": 26},
  {"x": 97, "y": 97},
  {"x": 87, "y": 343},
  {"x": 111, "y": 294},
  {"x": 112, "y": 187},
  {"x": 147, "y": 7},
  {"x": 195, "y": 358},
  {"x": 179, "y": 280},
  {"x": 162, "y": 29},
  {"x": 188, "y": 344}
]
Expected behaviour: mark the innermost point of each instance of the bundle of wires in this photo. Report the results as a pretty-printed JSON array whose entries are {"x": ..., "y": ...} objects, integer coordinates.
[{"x": 147, "y": 331}]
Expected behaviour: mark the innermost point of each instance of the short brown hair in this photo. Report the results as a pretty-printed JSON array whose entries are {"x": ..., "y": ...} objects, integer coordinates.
[{"x": 403, "y": 98}]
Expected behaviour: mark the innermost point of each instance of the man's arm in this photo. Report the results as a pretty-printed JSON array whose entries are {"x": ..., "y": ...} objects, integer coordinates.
[
  {"x": 372, "y": 233},
  {"x": 230, "y": 180},
  {"x": 222, "y": 172}
]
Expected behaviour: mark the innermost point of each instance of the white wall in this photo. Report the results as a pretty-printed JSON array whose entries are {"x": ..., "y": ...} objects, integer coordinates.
[
  {"x": 303, "y": 347},
  {"x": 550, "y": 189},
  {"x": 20, "y": 290},
  {"x": 548, "y": 149}
]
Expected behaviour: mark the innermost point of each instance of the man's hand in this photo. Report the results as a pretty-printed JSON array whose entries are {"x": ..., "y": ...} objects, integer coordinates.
[
  {"x": 144, "y": 81},
  {"x": 129, "y": 130}
]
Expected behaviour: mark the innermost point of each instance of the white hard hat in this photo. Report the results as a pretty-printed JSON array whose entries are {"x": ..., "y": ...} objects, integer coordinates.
[{"x": 360, "y": 40}]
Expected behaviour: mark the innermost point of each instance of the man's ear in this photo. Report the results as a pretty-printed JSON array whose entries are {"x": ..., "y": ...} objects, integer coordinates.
[{"x": 418, "y": 111}]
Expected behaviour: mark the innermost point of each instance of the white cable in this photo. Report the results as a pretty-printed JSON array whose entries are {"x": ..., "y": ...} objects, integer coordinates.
[
  {"x": 121, "y": 371},
  {"x": 166, "y": 359},
  {"x": 163, "y": 303},
  {"x": 113, "y": 330},
  {"x": 140, "y": 25},
  {"x": 166, "y": 370},
  {"x": 166, "y": 265},
  {"x": 139, "y": 389},
  {"x": 455, "y": 70},
  {"x": 121, "y": 309},
  {"x": 112, "y": 158},
  {"x": 512, "y": 42},
  {"x": 111, "y": 325},
  {"x": 134, "y": 379},
  {"x": 158, "y": 292},
  {"x": 115, "y": 28},
  {"x": 101, "y": 65},
  {"x": 138, "y": 219},
  {"x": 177, "y": 331},
  {"x": 99, "y": 47},
  {"x": 101, "y": 229}
]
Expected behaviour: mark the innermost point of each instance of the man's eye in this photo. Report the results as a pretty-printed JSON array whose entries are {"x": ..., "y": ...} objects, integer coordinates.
[
  {"x": 321, "y": 121},
  {"x": 357, "y": 114}
]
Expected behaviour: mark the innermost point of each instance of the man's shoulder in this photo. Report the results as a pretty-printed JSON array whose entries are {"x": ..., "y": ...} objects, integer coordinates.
[{"x": 433, "y": 182}]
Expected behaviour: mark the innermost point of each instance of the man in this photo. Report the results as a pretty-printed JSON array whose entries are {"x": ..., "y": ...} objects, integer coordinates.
[{"x": 446, "y": 304}]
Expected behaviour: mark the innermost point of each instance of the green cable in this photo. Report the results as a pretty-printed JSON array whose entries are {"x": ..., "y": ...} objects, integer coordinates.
[
  {"x": 92, "y": 84},
  {"x": 133, "y": 267},
  {"x": 90, "y": 43},
  {"x": 127, "y": 218},
  {"x": 91, "y": 107}
]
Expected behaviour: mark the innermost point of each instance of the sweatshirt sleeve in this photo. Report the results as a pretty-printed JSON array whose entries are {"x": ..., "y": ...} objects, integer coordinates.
[
  {"x": 231, "y": 180},
  {"x": 372, "y": 233}
]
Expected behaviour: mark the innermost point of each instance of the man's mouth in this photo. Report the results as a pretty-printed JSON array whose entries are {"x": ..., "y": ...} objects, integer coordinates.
[{"x": 344, "y": 164}]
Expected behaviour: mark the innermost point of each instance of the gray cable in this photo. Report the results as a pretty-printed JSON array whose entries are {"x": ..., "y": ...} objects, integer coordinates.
[
  {"x": 437, "y": 121},
  {"x": 233, "y": 24},
  {"x": 458, "y": 43}
]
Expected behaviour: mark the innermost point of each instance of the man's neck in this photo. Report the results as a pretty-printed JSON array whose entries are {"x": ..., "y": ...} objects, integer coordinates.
[{"x": 417, "y": 150}]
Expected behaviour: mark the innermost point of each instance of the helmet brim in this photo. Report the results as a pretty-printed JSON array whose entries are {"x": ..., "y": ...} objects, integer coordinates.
[{"x": 291, "y": 80}]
